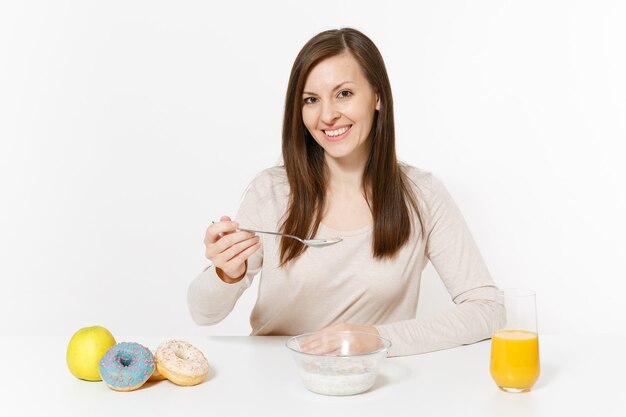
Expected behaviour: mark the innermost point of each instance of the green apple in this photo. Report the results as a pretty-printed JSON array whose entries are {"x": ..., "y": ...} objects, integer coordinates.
[{"x": 86, "y": 348}]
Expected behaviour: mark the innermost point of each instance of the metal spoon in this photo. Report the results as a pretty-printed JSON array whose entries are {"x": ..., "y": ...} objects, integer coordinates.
[{"x": 314, "y": 243}]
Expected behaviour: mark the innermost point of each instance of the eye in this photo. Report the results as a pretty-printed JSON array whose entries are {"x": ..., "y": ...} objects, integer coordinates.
[
  {"x": 344, "y": 94},
  {"x": 310, "y": 100}
]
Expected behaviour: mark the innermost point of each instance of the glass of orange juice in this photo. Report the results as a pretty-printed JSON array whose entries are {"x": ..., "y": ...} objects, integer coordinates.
[{"x": 514, "y": 364}]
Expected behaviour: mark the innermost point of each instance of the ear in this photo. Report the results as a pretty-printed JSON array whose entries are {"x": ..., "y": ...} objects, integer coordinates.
[{"x": 377, "y": 102}]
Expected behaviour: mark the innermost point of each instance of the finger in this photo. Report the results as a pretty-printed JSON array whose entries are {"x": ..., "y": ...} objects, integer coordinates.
[
  {"x": 319, "y": 343},
  {"x": 225, "y": 219},
  {"x": 309, "y": 344},
  {"x": 238, "y": 248},
  {"x": 227, "y": 241},
  {"x": 324, "y": 349},
  {"x": 223, "y": 256},
  {"x": 214, "y": 231},
  {"x": 240, "y": 258}
]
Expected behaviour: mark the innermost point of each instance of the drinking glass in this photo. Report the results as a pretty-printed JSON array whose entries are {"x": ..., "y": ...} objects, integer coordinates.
[{"x": 514, "y": 364}]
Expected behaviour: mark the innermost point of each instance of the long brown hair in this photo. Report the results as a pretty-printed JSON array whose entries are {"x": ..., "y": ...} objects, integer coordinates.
[{"x": 391, "y": 196}]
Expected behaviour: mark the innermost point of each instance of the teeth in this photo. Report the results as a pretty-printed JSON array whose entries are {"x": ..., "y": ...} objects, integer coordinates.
[{"x": 337, "y": 132}]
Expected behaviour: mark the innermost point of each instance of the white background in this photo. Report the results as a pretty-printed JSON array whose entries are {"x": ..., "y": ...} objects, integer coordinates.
[{"x": 127, "y": 126}]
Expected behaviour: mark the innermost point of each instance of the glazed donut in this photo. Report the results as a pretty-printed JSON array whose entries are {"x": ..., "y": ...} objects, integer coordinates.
[
  {"x": 181, "y": 363},
  {"x": 126, "y": 366}
]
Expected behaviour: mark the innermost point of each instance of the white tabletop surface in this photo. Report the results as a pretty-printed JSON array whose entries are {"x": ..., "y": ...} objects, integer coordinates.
[{"x": 256, "y": 376}]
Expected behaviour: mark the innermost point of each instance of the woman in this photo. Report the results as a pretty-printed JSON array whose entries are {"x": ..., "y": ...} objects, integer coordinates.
[{"x": 341, "y": 178}]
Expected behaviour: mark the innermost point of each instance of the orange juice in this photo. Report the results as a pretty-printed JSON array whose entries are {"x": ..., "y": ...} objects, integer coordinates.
[{"x": 515, "y": 359}]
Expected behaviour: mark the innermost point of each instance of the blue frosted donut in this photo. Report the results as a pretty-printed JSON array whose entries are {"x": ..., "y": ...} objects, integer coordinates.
[{"x": 126, "y": 366}]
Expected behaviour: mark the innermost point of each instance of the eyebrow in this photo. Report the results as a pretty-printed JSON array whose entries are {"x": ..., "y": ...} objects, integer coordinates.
[{"x": 337, "y": 87}]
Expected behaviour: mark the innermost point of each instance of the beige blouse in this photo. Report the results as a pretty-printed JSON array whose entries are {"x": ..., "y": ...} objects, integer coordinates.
[{"x": 344, "y": 283}]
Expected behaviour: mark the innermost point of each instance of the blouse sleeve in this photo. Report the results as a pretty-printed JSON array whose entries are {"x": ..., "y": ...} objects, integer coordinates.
[
  {"x": 458, "y": 262},
  {"x": 209, "y": 298}
]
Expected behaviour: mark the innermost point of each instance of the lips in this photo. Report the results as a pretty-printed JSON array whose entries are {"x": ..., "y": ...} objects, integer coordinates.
[{"x": 336, "y": 133}]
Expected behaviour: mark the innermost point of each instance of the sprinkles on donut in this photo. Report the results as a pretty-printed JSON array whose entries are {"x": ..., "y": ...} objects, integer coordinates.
[
  {"x": 126, "y": 366},
  {"x": 181, "y": 363}
]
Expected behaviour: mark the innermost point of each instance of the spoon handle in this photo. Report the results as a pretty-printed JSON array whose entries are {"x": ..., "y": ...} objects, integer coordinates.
[{"x": 270, "y": 233}]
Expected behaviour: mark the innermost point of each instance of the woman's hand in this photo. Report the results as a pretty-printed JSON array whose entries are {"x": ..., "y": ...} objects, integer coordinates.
[
  {"x": 324, "y": 341},
  {"x": 229, "y": 249}
]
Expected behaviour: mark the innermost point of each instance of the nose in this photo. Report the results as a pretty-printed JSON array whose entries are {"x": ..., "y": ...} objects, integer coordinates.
[{"x": 329, "y": 113}]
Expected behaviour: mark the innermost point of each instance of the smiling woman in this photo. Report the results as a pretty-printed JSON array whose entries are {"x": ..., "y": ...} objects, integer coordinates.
[
  {"x": 341, "y": 178},
  {"x": 347, "y": 109},
  {"x": 339, "y": 117}
]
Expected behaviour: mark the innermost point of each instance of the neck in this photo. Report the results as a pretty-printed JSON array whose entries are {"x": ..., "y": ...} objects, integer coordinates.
[{"x": 346, "y": 174}]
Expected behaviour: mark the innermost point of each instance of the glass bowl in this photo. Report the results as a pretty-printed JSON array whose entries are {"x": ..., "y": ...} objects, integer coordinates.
[{"x": 338, "y": 362}]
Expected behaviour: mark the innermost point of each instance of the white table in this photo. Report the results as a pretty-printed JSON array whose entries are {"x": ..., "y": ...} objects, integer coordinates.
[{"x": 256, "y": 376}]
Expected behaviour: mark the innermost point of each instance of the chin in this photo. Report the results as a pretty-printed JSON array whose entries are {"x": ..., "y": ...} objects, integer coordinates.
[
  {"x": 338, "y": 155},
  {"x": 348, "y": 151}
]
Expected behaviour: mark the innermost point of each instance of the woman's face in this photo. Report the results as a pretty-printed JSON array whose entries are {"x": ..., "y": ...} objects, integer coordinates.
[{"x": 338, "y": 107}]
